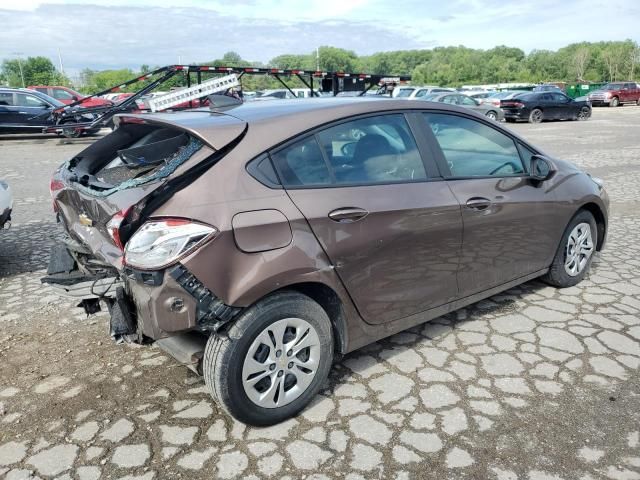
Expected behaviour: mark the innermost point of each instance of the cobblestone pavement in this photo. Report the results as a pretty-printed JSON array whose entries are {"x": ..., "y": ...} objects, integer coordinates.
[{"x": 535, "y": 383}]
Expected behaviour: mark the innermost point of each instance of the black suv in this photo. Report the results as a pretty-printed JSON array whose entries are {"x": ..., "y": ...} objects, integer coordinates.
[{"x": 29, "y": 111}]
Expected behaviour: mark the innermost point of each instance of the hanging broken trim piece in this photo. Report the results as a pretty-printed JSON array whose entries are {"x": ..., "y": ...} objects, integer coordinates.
[{"x": 208, "y": 87}]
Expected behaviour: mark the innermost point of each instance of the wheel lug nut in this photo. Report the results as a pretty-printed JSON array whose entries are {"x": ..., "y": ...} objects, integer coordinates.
[
  {"x": 289, "y": 353},
  {"x": 280, "y": 373},
  {"x": 272, "y": 366},
  {"x": 290, "y": 366},
  {"x": 278, "y": 353}
]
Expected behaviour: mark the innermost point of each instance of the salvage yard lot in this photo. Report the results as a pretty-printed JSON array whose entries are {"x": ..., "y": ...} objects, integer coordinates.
[{"x": 534, "y": 383}]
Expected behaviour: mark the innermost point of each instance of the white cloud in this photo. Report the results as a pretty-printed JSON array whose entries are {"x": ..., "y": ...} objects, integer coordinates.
[{"x": 127, "y": 33}]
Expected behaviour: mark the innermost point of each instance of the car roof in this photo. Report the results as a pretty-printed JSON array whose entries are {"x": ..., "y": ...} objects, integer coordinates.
[{"x": 270, "y": 123}]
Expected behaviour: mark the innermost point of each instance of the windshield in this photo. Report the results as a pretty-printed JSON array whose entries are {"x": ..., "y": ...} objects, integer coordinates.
[{"x": 612, "y": 86}]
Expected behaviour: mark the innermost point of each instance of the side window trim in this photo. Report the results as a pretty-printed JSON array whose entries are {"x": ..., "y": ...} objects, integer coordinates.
[
  {"x": 323, "y": 152},
  {"x": 425, "y": 146},
  {"x": 441, "y": 160}
]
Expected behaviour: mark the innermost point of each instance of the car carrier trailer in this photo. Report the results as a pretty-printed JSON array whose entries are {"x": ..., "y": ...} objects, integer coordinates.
[{"x": 221, "y": 79}]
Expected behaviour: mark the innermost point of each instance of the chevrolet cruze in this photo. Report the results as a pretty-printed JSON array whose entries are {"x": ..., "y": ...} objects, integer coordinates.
[{"x": 255, "y": 242}]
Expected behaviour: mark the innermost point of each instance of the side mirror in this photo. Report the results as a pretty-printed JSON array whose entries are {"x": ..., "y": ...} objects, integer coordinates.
[
  {"x": 46, "y": 106},
  {"x": 541, "y": 168},
  {"x": 74, "y": 98}
]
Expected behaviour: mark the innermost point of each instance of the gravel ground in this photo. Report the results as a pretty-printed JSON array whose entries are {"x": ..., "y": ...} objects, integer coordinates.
[{"x": 534, "y": 383}]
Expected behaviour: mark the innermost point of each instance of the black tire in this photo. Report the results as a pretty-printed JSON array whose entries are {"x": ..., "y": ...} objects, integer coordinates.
[
  {"x": 615, "y": 101},
  {"x": 638, "y": 102},
  {"x": 492, "y": 114},
  {"x": 584, "y": 113},
  {"x": 557, "y": 275},
  {"x": 536, "y": 116},
  {"x": 225, "y": 355}
]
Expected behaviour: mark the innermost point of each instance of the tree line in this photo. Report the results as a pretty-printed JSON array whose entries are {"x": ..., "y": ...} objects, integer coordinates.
[{"x": 445, "y": 66}]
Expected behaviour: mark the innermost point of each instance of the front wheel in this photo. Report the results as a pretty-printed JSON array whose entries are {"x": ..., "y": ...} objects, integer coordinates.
[
  {"x": 536, "y": 116},
  {"x": 584, "y": 113},
  {"x": 272, "y": 361},
  {"x": 615, "y": 101},
  {"x": 575, "y": 253}
]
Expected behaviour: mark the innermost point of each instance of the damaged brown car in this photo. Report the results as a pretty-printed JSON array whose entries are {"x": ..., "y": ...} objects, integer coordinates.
[{"x": 256, "y": 241}]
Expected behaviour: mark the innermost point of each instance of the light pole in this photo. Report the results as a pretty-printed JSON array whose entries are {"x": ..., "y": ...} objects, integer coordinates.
[{"x": 20, "y": 67}]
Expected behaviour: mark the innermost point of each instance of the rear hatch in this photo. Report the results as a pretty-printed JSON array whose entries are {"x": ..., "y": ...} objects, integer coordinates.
[{"x": 109, "y": 182}]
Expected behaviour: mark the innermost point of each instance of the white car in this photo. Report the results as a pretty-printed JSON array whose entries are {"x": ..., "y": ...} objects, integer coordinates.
[
  {"x": 6, "y": 204},
  {"x": 419, "y": 92}
]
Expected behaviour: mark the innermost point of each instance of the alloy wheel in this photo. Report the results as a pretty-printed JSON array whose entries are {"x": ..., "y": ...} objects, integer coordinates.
[
  {"x": 281, "y": 363},
  {"x": 492, "y": 115},
  {"x": 536, "y": 116},
  {"x": 579, "y": 249}
]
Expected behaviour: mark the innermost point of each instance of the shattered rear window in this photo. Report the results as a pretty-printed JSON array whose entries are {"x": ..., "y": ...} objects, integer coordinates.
[{"x": 133, "y": 157}]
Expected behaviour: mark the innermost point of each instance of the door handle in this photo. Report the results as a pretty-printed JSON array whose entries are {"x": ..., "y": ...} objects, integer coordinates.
[
  {"x": 478, "y": 203},
  {"x": 348, "y": 214}
]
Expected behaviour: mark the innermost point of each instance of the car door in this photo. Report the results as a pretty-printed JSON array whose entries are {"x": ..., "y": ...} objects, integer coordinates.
[
  {"x": 510, "y": 223},
  {"x": 564, "y": 105},
  {"x": 8, "y": 110},
  {"x": 550, "y": 108},
  {"x": 32, "y": 110},
  {"x": 391, "y": 227}
]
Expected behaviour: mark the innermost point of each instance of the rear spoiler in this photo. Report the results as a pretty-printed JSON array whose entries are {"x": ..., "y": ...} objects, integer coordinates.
[{"x": 213, "y": 128}]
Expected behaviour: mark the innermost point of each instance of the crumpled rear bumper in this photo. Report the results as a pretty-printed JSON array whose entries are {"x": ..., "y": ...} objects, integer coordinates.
[{"x": 153, "y": 304}]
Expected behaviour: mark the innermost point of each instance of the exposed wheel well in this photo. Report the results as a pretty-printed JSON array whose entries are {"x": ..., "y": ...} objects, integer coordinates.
[
  {"x": 331, "y": 303},
  {"x": 601, "y": 223}
]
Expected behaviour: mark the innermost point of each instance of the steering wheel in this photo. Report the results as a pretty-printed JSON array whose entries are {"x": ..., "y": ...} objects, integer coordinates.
[
  {"x": 348, "y": 149},
  {"x": 514, "y": 167}
]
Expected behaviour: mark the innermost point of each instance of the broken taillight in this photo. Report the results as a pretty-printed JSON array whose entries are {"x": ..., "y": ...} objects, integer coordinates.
[
  {"x": 54, "y": 187},
  {"x": 113, "y": 227}
]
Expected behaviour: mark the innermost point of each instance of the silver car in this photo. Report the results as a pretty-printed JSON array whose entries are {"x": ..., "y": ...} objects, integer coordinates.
[{"x": 488, "y": 110}]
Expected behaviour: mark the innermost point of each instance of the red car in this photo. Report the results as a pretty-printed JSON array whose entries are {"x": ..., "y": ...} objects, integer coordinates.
[{"x": 67, "y": 95}]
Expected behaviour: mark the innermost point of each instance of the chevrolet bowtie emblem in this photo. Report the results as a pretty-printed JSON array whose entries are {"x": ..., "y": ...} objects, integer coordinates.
[{"x": 85, "y": 220}]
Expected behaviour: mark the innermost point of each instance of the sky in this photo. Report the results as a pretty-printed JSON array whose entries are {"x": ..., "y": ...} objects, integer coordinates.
[{"x": 103, "y": 34}]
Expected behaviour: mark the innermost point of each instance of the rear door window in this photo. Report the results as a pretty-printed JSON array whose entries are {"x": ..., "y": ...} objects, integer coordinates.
[
  {"x": 473, "y": 149},
  {"x": 370, "y": 150},
  {"x": 366, "y": 151},
  {"x": 6, "y": 99}
]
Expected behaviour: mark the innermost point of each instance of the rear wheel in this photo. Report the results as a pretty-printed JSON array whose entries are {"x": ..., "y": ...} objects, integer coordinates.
[
  {"x": 575, "y": 253},
  {"x": 536, "y": 116},
  {"x": 615, "y": 101},
  {"x": 638, "y": 102},
  {"x": 492, "y": 115},
  {"x": 272, "y": 361}
]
